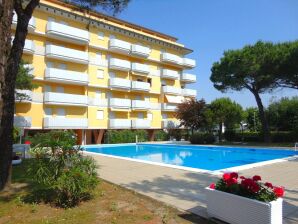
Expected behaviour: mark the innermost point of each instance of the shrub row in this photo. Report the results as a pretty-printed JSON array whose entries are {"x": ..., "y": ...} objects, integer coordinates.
[
  {"x": 125, "y": 136},
  {"x": 202, "y": 138}
]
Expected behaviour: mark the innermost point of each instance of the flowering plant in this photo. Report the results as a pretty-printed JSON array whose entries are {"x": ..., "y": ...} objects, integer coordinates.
[{"x": 248, "y": 187}]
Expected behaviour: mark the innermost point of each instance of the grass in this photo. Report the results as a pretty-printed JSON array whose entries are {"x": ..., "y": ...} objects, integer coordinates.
[
  {"x": 257, "y": 144},
  {"x": 111, "y": 204}
]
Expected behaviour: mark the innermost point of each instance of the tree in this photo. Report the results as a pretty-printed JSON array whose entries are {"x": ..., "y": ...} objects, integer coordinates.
[
  {"x": 9, "y": 65},
  {"x": 252, "y": 118},
  {"x": 191, "y": 114},
  {"x": 283, "y": 114},
  {"x": 255, "y": 68},
  {"x": 226, "y": 112}
]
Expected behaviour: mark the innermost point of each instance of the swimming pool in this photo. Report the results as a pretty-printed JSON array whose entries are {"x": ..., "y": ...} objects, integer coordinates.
[{"x": 209, "y": 158}]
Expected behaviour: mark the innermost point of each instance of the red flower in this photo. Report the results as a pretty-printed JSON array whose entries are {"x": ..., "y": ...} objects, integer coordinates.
[
  {"x": 269, "y": 185},
  {"x": 242, "y": 177},
  {"x": 234, "y": 175},
  {"x": 231, "y": 181},
  {"x": 212, "y": 186},
  {"x": 256, "y": 178},
  {"x": 27, "y": 142},
  {"x": 255, "y": 188},
  {"x": 279, "y": 191},
  {"x": 226, "y": 176}
]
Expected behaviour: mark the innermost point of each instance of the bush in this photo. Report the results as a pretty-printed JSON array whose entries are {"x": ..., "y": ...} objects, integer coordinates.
[
  {"x": 61, "y": 169},
  {"x": 202, "y": 138},
  {"x": 125, "y": 136},
  {"x": 161, "y": 135}
]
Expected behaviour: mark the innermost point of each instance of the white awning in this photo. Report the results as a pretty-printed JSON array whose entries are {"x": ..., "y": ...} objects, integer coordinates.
[{"x": 174, "y": 99}]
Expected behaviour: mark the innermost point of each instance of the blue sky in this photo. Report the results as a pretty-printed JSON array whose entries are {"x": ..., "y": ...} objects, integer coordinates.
[{"x": 211, "y": 26}]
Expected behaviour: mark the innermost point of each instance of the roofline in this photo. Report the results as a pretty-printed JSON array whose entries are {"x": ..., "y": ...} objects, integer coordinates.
[{"x": 119, "y": 21}]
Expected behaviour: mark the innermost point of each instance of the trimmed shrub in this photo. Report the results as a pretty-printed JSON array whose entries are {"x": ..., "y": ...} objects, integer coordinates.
[
  {"x": 125, "y": 136},
  {"x": 161, "y": 135},
  {"x": 202, "y": 138},
  {"x": 65, "y": 176}
]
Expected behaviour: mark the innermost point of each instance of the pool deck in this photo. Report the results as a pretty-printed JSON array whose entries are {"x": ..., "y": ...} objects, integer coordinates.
[{"x": 185, "y": 189}]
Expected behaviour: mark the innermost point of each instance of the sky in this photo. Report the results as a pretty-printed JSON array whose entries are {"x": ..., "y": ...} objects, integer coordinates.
[{"x": 211, "y": 26}]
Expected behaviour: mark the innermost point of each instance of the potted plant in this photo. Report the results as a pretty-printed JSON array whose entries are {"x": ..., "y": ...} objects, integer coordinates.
[{"x": 244, "y": 200}]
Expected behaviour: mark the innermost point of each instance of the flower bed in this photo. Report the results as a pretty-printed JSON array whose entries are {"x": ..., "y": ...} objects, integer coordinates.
[{"x": 244, "y": 200}]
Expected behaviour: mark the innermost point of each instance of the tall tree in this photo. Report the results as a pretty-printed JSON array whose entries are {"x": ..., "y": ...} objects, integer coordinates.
[
  {"x": 9, "y": 65},
  {"x": 191, "y": 114},
  {"x": 252, "y": 119},
  {"x": 254, "y": 68},
  {"x": 226, "y": 112}
]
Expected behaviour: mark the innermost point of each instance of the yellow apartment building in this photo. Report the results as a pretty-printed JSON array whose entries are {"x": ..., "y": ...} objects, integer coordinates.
[{"x": 95, "y": 72}]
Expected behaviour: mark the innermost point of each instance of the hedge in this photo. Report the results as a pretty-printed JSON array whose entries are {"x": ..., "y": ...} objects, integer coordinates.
[
  {"x": 202, "y": 138},
  {"x": 125, "y": 136}
]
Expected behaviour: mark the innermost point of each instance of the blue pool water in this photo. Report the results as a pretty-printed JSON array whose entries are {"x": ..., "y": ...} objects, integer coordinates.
[{"x": 200, "y": 157}]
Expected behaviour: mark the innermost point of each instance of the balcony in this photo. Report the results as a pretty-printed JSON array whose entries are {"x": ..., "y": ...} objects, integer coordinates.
[
  {"x": 140, "y": 123},
  {"x": 67, "y": 33},
  {"x": 66, "y": 76},
  {"x": 189, "y": 62},
  {"x": 171, "y": 90},
  {"x": 140, "y": 105},
  {"x": 30, "y": 68},
  {"x": 120, "y": 123},
  {"x": 168, "y": 107},
  {"x": 120, "y": 103},
  {"x": 171, "y": 58},
  {"x": 29, "y": 47},
  {"x": 119, "y": 64},
  {"x": 31, "y": 25},
  {"x": 65, "y": 99},
  {"x": 140, "y": 68},
  {"x": 169, "y": 74},
  {"x": 23, "y": 96},
  {"x": 67, "y": 54},
  {"x": 140, "y": 50},
  {"x": 20, "y": 121},
  {"x": 170, "y": 124},
  {"x": 140, "y": 86},
  {"x": 189, "y": 92},
  {"x": 118, "y": 83},
  {"x": 119, "y": 46},
  {"x": 186, "y": 77},
  {"x": 63, "y": 122}
]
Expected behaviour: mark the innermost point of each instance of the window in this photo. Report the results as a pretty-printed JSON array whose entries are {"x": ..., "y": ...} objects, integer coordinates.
[
  {"x": 99, "y": 115},
  {"x": 163, "y": 83},
  {"x": 140, "y": 115},
  {"x": 112, "y": 37},
  {"x": 150, "y": 116},
  {"x": 100, "y": 74},
  {"x": 62, "y": 66},
  {"x": 100, "y": 35},
  {"x": 98, "y": 94},
  {"x": 47, "y": 88},
  {"x": 61, "y": 112},
  {"x": 48, "y": 111},
  {"x": 112, "y": 74},
  {"x": 51, "y": 19},
  {"x": 60, "y": 89},
  {"x": 98, "y": 56},
  {"x": 149, "y": 80},
  {"x": 50, "y": 64}
]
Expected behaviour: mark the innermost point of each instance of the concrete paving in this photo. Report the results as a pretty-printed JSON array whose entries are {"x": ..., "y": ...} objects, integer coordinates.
[{"x": 185, "y": 189}]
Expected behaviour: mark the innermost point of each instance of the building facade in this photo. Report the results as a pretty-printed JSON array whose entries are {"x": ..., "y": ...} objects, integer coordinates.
[{"x": 95, "y": 72}]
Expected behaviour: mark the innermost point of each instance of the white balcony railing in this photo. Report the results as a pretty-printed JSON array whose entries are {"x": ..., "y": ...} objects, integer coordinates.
[
  {"x": 119, "y": 45},
  {"x": 189, "y": 92},
  {"x": 31, "y": 25},
  {"x": 140, "y": 50},
  {"x": 168, "y": 107},
  {"x": 120, "y": 83},
  {"x": 141, "y": 68},
  {"x": 66, "y": 76},
  {"x": 120, "y": 103},
  {"x": 140, "y": 86},
  {"x": 66, "y": 54},
  {"x": 170, "y": 74},
  {"x": 189, "y": 62},
  {"x": 170, "y": 124},
  {"x": 65, "y": 99},
  {"x": 67, "y": 33},
  {"x": 29, "y": 47},
  {"x": 171, "y": 90},
  {"x": 171, "y": 58},
  {"x": 23, "y": 96},
  {"x": 119, "y": 64},
  {"x": 120, "y": 123},
  {"x": 20, "y": 121},
  {"x": 140, "y": 123},
  {"x": 186, "y": 77},
  {"x": 64, "y": 122},
  {"x": 140, "y": 105}
]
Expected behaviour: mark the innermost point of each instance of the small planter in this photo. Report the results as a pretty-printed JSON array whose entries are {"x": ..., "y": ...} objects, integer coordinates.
[{"x": 235, "y": 209}]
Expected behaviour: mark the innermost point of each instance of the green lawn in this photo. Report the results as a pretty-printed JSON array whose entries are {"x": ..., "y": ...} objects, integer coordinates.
[{"x": 111, "y": 204}]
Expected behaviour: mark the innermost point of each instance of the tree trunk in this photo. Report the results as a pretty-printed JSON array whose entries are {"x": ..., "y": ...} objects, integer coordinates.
[
  {"x": 8, "y": 86},
  {"x": 6, "y": 12},
  {"x": 263, "y": 117}
]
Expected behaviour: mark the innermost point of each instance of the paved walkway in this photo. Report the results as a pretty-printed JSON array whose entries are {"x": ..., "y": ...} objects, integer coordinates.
[{"x": 185, "y": 189}]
